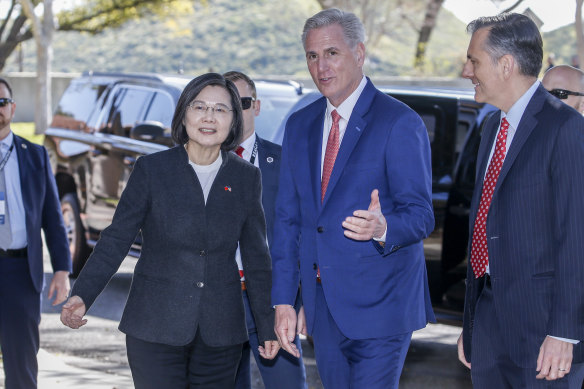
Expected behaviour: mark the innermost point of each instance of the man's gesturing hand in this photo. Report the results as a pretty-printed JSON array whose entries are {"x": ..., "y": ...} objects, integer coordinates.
[
  {"x": 285, "y": 328},
  {"x": 365, "y": 225}
]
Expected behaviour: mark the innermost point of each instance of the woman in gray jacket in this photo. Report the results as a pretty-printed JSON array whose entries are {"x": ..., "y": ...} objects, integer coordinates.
[{"x": 184, "y": 319}]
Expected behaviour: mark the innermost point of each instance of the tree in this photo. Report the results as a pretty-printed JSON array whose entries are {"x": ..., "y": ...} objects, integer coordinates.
[
  {"x": 432, "y": 9},
  {"x": 93, "y": 16},
  {"x": 42, "y": 30}
]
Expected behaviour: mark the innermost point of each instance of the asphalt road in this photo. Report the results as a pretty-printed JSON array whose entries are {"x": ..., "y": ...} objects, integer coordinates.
[{"x": 431, "y": 361}]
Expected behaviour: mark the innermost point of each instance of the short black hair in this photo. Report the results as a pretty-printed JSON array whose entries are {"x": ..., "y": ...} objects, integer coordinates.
[
  {"x": 191, "y": 91},
  {"x": 7, "y": 84},
  {"x": 515, "y": 34},
  {"x": 235, "y": 76}
]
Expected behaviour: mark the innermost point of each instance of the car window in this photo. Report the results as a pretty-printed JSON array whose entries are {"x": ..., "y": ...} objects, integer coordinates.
[
  {"x": 161, "y": 109},
  {"x": 77, "y": 104},
  {"x": 128, "y": 107},
  {"x": 273, "y": 110}
]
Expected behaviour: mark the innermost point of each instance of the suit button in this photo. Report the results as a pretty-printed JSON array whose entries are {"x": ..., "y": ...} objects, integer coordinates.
[
  {"x": 200, "y": 284},
  {"x": 320, "y": 229},
  {"x": 202, "y": 253}
]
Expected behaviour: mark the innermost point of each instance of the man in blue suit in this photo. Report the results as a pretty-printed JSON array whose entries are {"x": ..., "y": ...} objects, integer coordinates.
[
  {"x": 284, "y": 371},
  {"x": 353, "y": 206},
  {"x": 29, "y": 202},
  {"x": 524, "y": 307}
]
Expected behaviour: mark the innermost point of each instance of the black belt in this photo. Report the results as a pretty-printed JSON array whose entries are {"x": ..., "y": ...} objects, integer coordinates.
[{"x": 18, "y": 253}]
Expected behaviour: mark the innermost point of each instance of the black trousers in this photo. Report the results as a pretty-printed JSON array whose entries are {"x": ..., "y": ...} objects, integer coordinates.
[
  {"x": 20, "y": 315},
  {"x": 492, "y": 366},
  {"x": 196, "y": 365}
]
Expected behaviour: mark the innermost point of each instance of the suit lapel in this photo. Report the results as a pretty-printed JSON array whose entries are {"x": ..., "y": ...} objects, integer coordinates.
[
  {"x": 315, "y": 148},
  {"x": 355, "y": 128},
  {"x": 526, "y": 125}
]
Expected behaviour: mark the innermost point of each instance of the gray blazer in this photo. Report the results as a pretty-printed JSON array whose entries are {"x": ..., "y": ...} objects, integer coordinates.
[{"x": 187, "y": 277}]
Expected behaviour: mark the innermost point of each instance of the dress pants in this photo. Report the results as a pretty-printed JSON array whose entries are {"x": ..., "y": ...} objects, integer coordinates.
[
  {"x": 20, "y": 316},
  {"x": 194, "y": 366},
  {"x": 283, "y": 372},
  {"x": 345, "y": 363},
  {"x": 492, "y": 366}
]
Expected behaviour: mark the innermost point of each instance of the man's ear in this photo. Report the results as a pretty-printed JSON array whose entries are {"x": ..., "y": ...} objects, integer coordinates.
[{"x": 507, "y": 64}]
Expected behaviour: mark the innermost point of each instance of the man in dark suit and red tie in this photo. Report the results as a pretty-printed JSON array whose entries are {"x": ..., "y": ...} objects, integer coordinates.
[
  {"x": 284, "y": 371},
  {"x": 524, "y": 307},
  {"x": 353, "y": 206},
  {"x": 29, "y": 203}
]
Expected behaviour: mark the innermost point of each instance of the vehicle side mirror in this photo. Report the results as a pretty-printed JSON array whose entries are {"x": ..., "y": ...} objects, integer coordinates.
[{"x": 150, "y": 131}]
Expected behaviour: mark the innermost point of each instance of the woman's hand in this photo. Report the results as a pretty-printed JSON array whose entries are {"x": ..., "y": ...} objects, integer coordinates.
[
  {"x": 270, "y": 349},
  {"x": 73, "y": 312}
]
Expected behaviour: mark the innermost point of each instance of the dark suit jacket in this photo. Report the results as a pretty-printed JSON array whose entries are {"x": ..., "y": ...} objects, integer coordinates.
[
  {"x": 371, "y": 292},
  {"x": 43, "y": 210},
  {"x": 270, "y": 174},
  {"x": 187, "y": 276},
  {"x": 535, "y": 231}
]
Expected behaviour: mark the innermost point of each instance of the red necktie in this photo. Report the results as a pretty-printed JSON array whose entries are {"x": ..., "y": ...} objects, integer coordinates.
[
  {"x": 479, "y": 258},
  {"x": 332, "y": 148},
  {"x": 239, "y": 151}
]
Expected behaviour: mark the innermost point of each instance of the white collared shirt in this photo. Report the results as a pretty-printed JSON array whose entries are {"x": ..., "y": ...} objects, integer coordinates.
[
  {"x": 248, "y": 145},
  {"x": 14, "y": 195},
  {"x": 344, "y": 109}
]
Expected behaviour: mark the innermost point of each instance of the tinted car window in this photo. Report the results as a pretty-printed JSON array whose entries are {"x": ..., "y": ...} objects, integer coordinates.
[
  {"x": 127, "y": 109},
  {"x": 161, "y": 109},
  {"x": 77, "y": 104}
]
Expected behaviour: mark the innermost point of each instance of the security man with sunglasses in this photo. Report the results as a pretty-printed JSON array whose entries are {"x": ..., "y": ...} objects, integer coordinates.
[
  {"x": 567, "y": 84},
  {"x": 284, "y": 371},
  {"x": 29, "y": 202}
]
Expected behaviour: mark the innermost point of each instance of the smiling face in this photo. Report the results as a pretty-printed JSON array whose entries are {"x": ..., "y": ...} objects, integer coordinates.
[
  {"x": 208, "y": 129},
  {"x": 335, "y": 67},
  {"x": 486, "y": 75}
]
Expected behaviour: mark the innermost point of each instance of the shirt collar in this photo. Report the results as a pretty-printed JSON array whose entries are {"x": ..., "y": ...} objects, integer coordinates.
[
  {"x": 346, "y": 107},
  {"x": 7, "y": 142},
  {"x": 249, "y": 142},
  {"x": 516, "y": 112}
]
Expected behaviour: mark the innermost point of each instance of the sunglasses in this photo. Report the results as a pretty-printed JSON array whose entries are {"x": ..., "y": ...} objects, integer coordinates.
[
  {"x": 4, "y": 101},
  {"x": 563, "y": 93},
  {"x": 246, "y": 102}
]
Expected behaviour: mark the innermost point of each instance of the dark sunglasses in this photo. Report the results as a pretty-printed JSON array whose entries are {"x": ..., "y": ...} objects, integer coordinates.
[
  {"x": 246, "y": 102},
  {"x": 4, "y": 101},
  {"x": 563, "y": 94}
]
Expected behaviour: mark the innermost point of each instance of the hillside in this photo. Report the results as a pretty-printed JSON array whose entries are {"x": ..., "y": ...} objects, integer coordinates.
[{"x": 259, "y": 37}]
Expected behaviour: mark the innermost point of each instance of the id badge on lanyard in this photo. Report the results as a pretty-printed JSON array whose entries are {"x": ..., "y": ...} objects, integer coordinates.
[{"x": 2, "y": 207}]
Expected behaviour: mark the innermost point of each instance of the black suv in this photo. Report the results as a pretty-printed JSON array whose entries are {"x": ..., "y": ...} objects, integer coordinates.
[{"x": 103, "y": 123}]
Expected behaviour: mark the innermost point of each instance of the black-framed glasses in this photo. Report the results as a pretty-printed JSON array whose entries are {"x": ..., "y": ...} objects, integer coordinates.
[
  {"x": 246, "y": 102},
  {"x": 4, "y": 101},
  {"x": 563, "y": 93}
]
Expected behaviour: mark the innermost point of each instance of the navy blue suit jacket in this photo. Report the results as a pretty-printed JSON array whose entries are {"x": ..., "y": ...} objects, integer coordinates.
[
  {"x": 269, "y": 155},
  {"x": 43, "y": 210},
  {"x": 371, "y": 292},
  {"x": 535, "y": 231}
]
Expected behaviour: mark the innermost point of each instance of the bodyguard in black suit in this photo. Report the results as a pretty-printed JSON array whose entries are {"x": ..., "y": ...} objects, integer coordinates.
[
  {"x": 284, "y": 371},
  {"x": 184, "y": 318},
  {"x": 524, "y": 307},
  {"x": 29, "y": 203}
]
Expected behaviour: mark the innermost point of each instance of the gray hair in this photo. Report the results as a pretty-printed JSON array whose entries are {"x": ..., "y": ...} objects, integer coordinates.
[
  {"x": 353, "y": 29},
  {"x": 514, "y": 34}
]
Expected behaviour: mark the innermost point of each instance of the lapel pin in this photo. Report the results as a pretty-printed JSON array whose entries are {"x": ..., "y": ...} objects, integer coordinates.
[
  {"x": 269, "y": 159},
  {"x": 24, "y": 146},
  {"x": 358, "y": 129},
  {"x": 227, "y": 188}
]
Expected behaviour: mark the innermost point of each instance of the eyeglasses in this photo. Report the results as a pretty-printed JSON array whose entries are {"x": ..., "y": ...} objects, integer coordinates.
[
  {"x": 200, "y": 108},
  {"x": 246, "y": 102},
  {"x": 4, "y": 101},
  {"x": 563, "y": 93}
]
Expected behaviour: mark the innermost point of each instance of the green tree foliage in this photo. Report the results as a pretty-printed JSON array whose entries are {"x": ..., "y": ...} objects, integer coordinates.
[{"x": 92, "y": 16}]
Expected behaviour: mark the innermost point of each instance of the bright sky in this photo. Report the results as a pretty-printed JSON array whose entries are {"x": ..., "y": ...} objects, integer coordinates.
[{"x": 554, "y": 13}]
